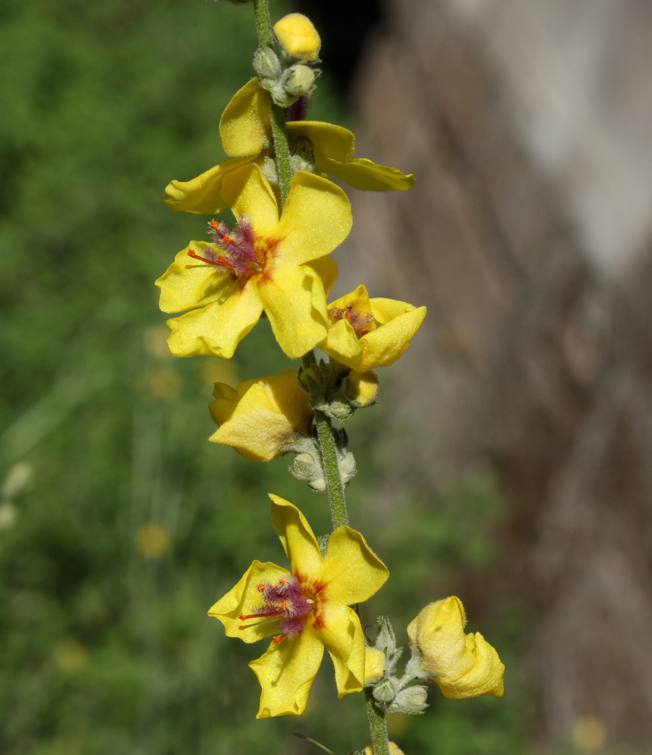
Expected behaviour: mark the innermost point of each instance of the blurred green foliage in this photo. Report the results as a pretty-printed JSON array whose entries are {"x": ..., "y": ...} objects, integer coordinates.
[{"x": 119, "y": 523}]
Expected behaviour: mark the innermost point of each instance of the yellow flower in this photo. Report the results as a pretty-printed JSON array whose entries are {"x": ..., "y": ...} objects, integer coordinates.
[
  {"x": 259, "y": 266},
  {"x": 306, "y": 609},
  {"x": 260, "y": 417},
  {"x": 245, "y": 130},
  {"x": 365, "y": 333},
  {"x": 298, "y": 36},
  {"x": 374, "y": 665},
  {"x": 462, "y": 665}
]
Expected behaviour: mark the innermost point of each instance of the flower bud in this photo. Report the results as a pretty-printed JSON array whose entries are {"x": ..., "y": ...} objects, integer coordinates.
[
  {"x": 298, "y": 37},
  {"x": 411, "y": 701},
  {"x": 267, "y": 64},
  {"x": 362, "y": 388},
  {"x": 385, "y": 691},
  {"x": 298, "y": 80},
  {"x": 462, "y": 665},
  {"x": 394, "y": 749}
]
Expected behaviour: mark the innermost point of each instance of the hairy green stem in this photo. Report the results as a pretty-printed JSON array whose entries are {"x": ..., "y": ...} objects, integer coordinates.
[
  {"x": 325, "y": 430},
  {"x": 377, "y": 727},
  {"x": 279, "y": 132}
]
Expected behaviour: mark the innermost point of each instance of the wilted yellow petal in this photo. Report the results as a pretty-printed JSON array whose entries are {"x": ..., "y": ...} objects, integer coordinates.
[
  {"x": 366, "y": 175},
  {"x": 245, "y": 122},
  {"x": 244, "y": 598},
  {"x": 462, "y": 665},
  {"x": 262, "y": 416},
  {"x": 286, "y": 673},
  {"x": 202, "y": 194},
  {"x": 297, "y": 538},
  {"x": 352, "y": 571}
]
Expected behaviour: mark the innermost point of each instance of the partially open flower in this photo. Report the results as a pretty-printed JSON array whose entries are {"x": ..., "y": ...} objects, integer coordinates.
[
  {"x": 245, "y": 130},
  {"x": 261, "y": 417},
  {"x": 304, "y": 609},
  {"x": 367, "y": 333},
  {"x": 298, "y": 37},
  {"x": 462, "y": 665}
]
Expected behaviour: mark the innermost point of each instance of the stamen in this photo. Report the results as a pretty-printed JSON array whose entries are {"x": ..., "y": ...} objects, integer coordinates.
[{"x": 361, "y": 322}]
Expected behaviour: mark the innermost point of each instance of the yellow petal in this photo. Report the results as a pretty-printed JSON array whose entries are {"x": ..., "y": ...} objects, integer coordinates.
[
  {"x": 260, "y": 421},
  {"x": 462, "y": 665},
  {"x": 341, "y": 633},
  {"x": 216, "y": 329},
  {"x": 316, "y": 218},
  {"x": 295, "y": 303},
  {"x": 286, "y": 673},
  {"x": 225, "y": 402},
  {"x": 387, "y": 343},
  {"x": 247, "y": 192},
  {"x": 374, "y": 665},
  {"x": 297, "y": 538},
  {"x": 189, "y": 283},
  {"x": 298, "y": 36},
  {"x": 326, "y": 269},
  {"x": 203, "y": 194},
  {"x": 327, "y": 139},
  {"x": 367, "y": 175},
  {"x": 245, "y": 122},
  {"x": 244, "y": 598},
  {"x": 385, "y": 310},
  {"x": 351, "y": 570},
  {"x": 342, "y": 343},
  {"x": 394, "y": 749},
  {"x": 362, "y": 387}
]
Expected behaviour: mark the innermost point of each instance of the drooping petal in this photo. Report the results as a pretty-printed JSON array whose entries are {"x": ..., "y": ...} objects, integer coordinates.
[
  {"x": 203, "y": 194},
  {"x": 462, "y": 665},
  {"x": 367, "y": 175},
  {"x": 245, "y": 122},
  {"x": 316, "y": 218},
  {"x": 247, "y": 192},
  {"x": 225, "y": 402},
  {"x": 327, "y": 139},
  {"x": 190, "y": 283},
  {"x": 297, "y": 537},
  {"x": 285, "y": 673},
  {"x": 326, "y": 269},
  {"x": 243, "y": 599},
  {"x": 218, "y": 328},
  {"x": 351, "y": 570},
  {"x": 295, "y": 303},
  {"x": 386, "y": 344},
  {"x": 341, "y": 632},
  {"x": 264, "y": 417}
]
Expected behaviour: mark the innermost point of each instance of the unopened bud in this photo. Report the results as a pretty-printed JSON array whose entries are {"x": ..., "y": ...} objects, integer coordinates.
[
  {"x": 298, "y": 80},
  {"x": 298, "y": 37},
  {"x": 384, "y": 692},
  {"x": 347, "y": 466},
  {"x": 411, "y": 700},
  {"x": 266, "y": 64}
]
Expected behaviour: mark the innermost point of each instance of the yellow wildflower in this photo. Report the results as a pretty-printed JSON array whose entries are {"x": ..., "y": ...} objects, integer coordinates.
[
  {"x": 306, "y": 609},
  {"x": 366, "y": 333},
  {"x": 260, "y": 266},
  {"x": 245, "y": 130},
  {"x": 462, "y": 665},
  {"x": 260, "y": 417},
  {"x": 297, "y": 36}
]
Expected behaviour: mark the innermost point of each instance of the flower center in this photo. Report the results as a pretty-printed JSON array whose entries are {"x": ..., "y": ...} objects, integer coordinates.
[
  {"x": 293, "y": 601},
  {"x": 361, "y": 322},
  {"x": 239, "y": 252}
]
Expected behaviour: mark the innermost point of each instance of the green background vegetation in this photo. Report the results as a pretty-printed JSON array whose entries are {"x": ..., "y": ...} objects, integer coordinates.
[{"x": 105, "y": 646}]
